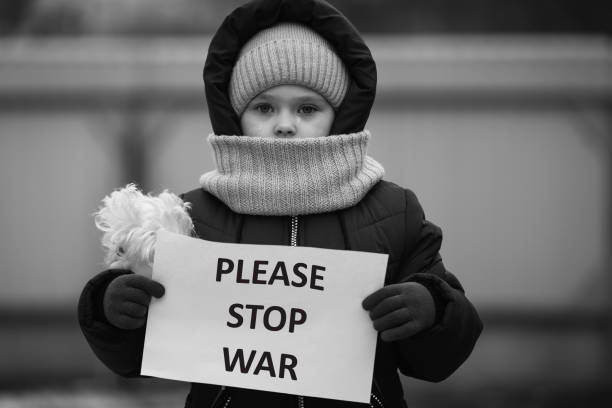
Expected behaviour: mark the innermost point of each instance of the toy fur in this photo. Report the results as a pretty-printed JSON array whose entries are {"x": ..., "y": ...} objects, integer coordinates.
[{"x": 130, "y": 221}]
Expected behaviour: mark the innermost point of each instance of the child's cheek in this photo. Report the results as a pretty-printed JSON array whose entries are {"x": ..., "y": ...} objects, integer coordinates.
[
  {"x": 264, "y": 129},
  {"x": 259, "y": 131},
  {"x": 255, "y": 125}
]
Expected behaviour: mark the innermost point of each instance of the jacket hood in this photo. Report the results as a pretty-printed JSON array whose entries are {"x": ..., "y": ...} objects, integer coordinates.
[{"x": 242, "y": 23}]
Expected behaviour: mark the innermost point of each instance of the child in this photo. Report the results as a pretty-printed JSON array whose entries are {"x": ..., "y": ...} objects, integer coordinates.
[{"x": 293, "y": 82}]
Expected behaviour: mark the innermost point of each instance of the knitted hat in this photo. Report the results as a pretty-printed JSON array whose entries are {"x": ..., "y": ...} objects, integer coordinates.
[{"x": 287, "y": 54}]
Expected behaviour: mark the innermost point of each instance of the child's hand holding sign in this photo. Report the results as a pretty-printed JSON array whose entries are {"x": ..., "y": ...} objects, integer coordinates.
[
  {"x": 401, "y": 310},
  {"x": 127, "y": 298}
]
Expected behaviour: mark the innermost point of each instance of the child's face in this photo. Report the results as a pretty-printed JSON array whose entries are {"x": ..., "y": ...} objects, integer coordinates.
[{"x": 287, "y": 111}]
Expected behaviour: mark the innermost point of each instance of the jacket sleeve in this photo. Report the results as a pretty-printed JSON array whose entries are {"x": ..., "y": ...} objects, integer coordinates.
[
  {"x": 435, "y": 353},
  {"x": 120, "y": 350}
]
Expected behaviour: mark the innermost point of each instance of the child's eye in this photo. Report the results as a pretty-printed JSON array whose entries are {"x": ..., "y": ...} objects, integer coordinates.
[
  {"x": 308, "y": 109},
  {"x": 263, "y": 108}
]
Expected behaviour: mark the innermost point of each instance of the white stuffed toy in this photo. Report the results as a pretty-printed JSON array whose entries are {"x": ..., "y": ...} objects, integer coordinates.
[{"x": 130, "y": 221}]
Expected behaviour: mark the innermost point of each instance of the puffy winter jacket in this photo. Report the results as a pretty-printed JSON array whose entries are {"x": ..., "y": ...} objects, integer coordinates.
[{"x": 388, "y": 220}]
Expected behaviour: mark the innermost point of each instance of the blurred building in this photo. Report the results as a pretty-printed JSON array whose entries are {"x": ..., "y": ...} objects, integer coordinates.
[
  {"x": 505, "y": 106},
  {"x": 193, "y": 17}
]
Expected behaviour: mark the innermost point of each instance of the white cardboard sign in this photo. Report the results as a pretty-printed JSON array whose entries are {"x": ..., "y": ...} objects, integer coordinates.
[{"x": 266, "y": 317}]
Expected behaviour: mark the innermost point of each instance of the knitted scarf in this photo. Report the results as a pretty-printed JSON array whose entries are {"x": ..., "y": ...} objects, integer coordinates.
[{"x": 270, "y": 176}]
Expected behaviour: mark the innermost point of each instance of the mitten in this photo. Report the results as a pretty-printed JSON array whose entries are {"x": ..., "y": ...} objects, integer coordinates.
[
  {"x": 126, "y": 300},
  {"x": 401, "y": 310}
]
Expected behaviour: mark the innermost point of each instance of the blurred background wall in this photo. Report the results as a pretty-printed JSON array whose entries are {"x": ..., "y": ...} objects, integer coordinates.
[{"x": 497, "y": 114}]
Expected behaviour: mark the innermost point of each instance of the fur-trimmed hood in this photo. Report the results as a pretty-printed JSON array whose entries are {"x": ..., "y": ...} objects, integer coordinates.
[{"x": 242, "y": 23}]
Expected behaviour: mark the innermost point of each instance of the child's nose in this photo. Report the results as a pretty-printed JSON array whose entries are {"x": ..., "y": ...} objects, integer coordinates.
[{"x": 285, "y": 126}]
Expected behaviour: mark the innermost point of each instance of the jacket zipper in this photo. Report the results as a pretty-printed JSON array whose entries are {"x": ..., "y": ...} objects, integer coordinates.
[
  {"x": 293, "y": 242},
  {"x": 374, "y": 397},
  {"x": 378, "y": 401},
  {"x": 294, "y": 231},
  {"x": 220, "y": 395}
]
